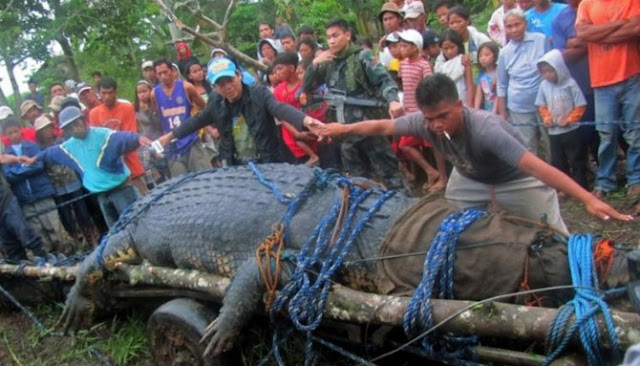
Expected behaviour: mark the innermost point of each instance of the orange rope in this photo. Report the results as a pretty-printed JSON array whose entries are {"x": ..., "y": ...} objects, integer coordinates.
[
  {"x": 603, "y": 256},
  {"x": 524, "y": 286},
  {"x": 265, "y": 253}
]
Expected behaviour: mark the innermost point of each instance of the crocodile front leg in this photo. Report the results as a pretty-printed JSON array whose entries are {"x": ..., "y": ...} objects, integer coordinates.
[
  {"x": 81, "y": 300},
  {"x": 239, "y": 305}
]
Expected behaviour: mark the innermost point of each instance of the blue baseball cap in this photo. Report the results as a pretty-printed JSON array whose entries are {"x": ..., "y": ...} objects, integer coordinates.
[
  {"x": 68, "y": 115},
  {"x": 220, "y": 67}
]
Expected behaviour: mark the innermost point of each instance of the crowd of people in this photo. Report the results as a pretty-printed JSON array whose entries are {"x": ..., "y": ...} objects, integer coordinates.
[{"x": 498, "y": 107}]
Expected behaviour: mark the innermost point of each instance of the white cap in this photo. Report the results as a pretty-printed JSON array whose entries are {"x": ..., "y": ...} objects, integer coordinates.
[
  {"x": 414, "y": 10},
  {"x": 411, "y": 36},
  {"x": 5, "y": 112},
  {"x": 146, "y": 64},
  {"x": 71, "y": 84},
  {"x": 392, "y": 37},
  {"x": 216, "y": 50}
]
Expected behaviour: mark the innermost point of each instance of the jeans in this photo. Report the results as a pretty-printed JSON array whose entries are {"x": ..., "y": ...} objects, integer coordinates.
[
  {"x": 618, "y": 102},
  {"x": 15, "y": 233},
  {"x": 112, "y": 203},
  {"x": 530, "y": 127},
  {"x": 82, "y": 215}
]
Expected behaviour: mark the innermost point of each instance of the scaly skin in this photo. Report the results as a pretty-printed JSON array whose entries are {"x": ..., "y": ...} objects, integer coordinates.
[{"x": 213, "y": 222}]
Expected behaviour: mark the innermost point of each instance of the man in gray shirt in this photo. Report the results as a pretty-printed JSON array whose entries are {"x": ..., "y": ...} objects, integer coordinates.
[{"x": 491, "y": 162}]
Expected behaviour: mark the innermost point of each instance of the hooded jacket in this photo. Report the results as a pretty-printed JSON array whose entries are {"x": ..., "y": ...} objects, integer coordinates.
[
  {"x": 563, "y": 99},
  {"x": 275, "y": 43}
]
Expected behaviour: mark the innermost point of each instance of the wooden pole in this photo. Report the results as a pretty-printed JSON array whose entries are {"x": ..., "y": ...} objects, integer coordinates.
[{"x": 493, "y": 319}]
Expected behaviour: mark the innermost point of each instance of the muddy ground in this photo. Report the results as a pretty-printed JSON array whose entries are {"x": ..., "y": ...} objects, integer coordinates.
[{"x": 122, "y": 339}]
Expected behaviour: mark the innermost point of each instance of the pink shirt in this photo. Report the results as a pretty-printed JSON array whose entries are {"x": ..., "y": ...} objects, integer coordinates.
[{"x": 411, "y": 73}]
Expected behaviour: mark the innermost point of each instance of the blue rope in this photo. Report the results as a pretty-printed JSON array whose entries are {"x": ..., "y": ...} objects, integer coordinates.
[
  {"x": 582, "y": 123},
  {"x": 305, "y": 296},
  {"x": 267, "y": 183},
  {"x": 587, "y": 302},
  {"x": 439, "y": 266}
]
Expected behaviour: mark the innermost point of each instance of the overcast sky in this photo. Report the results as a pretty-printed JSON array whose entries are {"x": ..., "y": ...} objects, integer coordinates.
[{"x": 21, "y": 76}]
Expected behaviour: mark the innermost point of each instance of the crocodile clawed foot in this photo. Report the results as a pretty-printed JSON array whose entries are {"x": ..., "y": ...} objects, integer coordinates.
[
  {"x": 221, "y": 338},
  {"x": 77, "y": 312}
]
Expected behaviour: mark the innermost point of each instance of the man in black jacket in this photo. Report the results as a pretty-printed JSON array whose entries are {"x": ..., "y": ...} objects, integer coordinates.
[{"x": 244, "y": 116}]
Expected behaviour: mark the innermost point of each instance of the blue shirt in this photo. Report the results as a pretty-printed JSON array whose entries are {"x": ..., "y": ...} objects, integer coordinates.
[
  {"x": 485, "y": 82},
  {"x": 96, "y": 158},
  {"x": 518, "y": 76},
  {"x": 563, "y": 28},
  {"x": 173, "y": 110},
  {"x": 541, "y": 22}
]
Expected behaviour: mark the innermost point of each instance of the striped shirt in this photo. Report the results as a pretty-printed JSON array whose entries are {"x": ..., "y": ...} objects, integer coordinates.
[{"x": 411, "y": 73}]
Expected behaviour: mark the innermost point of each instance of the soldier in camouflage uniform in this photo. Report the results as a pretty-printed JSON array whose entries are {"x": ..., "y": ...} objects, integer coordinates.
[{"x": 350, "y": 71}]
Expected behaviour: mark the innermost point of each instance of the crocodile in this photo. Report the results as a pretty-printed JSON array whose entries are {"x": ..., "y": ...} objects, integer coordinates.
[{"x": 213, "y": 221}]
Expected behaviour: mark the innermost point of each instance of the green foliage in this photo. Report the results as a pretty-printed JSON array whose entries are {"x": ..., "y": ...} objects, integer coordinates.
[
  {"x": 127, "y": 341},
  {"x": 113, "y": 36},
  {"x": 243, "y": 25}
]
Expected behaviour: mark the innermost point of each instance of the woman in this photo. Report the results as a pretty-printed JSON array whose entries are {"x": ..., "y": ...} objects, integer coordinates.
[
  {"x": 208, "y": 135},
  {"x": 150, "y": 126},
  {"x": 519, "y": 81},
  {"x": 460, "y": 21}
]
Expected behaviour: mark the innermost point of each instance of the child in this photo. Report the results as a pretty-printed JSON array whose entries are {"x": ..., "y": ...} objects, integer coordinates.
[
  {"x": 392, "y": 42},
  {"x": 413, "y": 69},
  {"x": 430, "y": 46},
  {"x": 488, "y": 77},
  {"x": 313, "y": 105},
  {"x": 32, "y": 186},
  {"x": 95, "y": 153},
  {"x": 302, "y": 144},
  {"x": 561, "y": 103},
  {"x": 15, "y": 233},
  {"x": 454, "y": 63}
]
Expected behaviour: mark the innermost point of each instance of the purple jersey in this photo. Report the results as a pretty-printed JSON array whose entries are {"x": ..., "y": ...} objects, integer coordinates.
[{"x": 174, "y": 110}]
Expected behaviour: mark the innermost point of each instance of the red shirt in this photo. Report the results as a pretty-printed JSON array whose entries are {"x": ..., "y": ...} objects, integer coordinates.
[
  {"x": 282, "y": 94},
  {"x": 122, "y": 117},
  {"x": 28, "y": 133}
]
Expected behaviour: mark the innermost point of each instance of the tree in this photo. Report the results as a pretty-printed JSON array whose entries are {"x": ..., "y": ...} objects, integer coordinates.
[{"x": 16, "y": 41}]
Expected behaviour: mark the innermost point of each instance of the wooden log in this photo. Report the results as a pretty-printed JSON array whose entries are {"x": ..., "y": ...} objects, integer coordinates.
[
  {"x": 492, "y": 319},
  {"x": 42, "y": 273}
]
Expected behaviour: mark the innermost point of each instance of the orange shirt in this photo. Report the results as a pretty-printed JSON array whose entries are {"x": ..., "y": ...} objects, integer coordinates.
[
  {"x": 122, "y": 117},
  {"x": 610, "y": 63}
]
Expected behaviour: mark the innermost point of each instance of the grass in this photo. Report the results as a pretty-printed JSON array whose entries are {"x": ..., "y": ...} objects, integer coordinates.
[{"x": 121, "y": 340}]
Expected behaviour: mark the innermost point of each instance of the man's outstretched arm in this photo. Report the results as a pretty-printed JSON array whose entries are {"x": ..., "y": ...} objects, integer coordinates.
[
  {"x": 381, "y": 127},
  {"x": 531, "y": 164}
]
